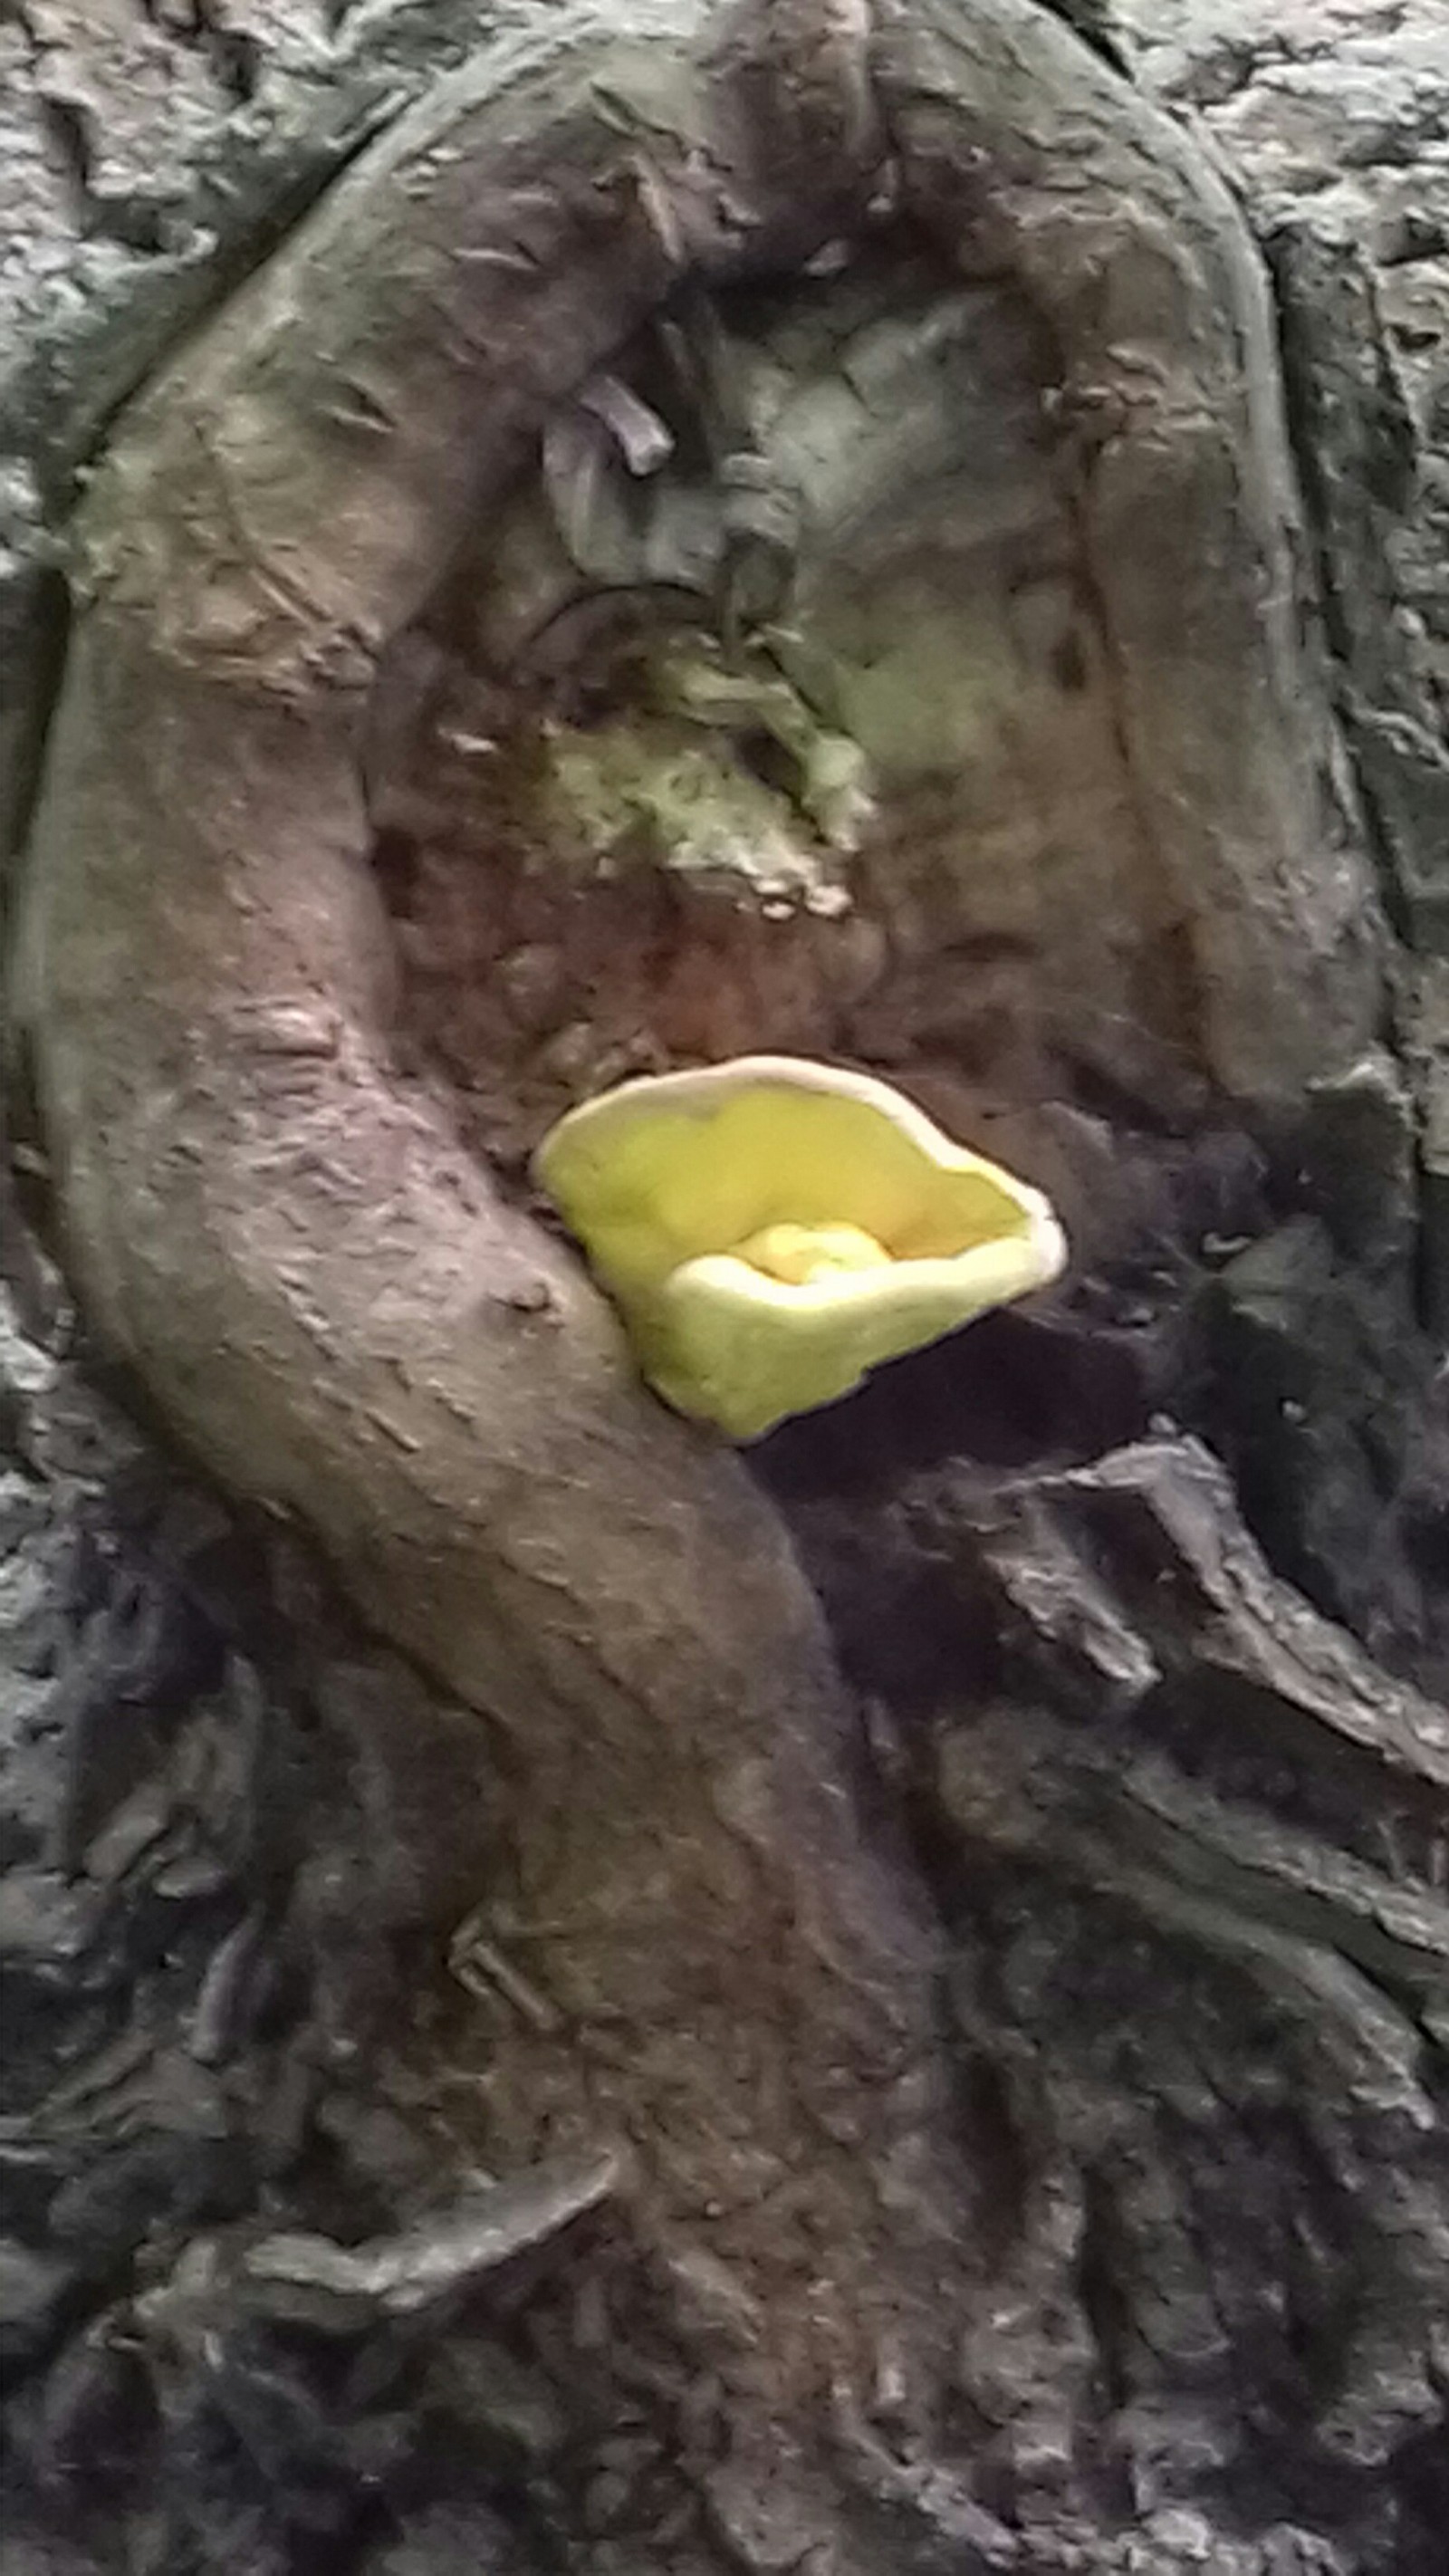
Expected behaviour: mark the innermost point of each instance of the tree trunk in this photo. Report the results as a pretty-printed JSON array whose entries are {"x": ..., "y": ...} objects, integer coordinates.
[{"x": 879, "y": 2002}]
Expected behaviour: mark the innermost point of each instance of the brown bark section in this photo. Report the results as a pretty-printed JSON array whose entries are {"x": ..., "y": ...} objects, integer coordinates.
[
  {"x": 1034, "y": 158},
  {"x": 342, "y": 1313}
]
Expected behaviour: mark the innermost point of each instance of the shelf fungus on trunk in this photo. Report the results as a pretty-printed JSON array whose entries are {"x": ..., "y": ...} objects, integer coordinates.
[{"x": 772, "y": 1229}]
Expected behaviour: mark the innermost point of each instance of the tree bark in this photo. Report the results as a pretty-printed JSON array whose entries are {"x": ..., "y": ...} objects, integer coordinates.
[{"x": 874, "y": 2041}]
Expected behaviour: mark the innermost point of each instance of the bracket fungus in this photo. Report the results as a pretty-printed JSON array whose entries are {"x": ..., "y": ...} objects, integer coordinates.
[{"x": 773, "y": 1229}]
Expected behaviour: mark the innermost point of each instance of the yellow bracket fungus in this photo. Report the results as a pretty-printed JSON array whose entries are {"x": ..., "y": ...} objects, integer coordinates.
[{"x": 772, "y": 1229}]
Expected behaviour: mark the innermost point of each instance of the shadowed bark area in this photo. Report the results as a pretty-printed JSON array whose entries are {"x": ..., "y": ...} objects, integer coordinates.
[{"x": 848, "y": 1838}]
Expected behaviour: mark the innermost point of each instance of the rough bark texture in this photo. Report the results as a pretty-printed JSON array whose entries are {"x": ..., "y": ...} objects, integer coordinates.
[{"x": 1128, "y": 2243}]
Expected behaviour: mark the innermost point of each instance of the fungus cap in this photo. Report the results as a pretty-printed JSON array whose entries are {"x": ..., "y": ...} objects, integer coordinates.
[{"x": 772, "y": 1229}]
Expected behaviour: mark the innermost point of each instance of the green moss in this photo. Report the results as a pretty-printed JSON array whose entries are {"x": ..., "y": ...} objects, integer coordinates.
[{"x": 672, "y": 785}]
